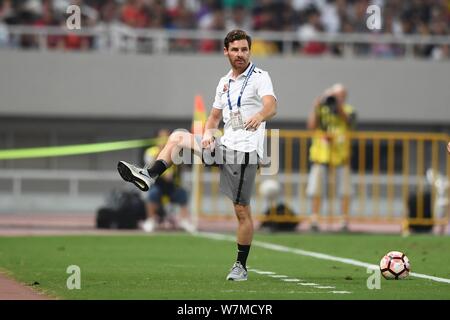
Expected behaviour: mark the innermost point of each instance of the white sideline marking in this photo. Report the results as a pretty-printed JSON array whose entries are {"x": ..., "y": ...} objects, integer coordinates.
[
  {"x": 311, "y": 284},
  {"x": 263, "y": 272},
  {"x": 323, "y": 256}
]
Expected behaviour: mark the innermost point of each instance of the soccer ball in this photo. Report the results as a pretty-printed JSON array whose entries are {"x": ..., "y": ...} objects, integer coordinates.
[
  {"x": 395, "y": 265},
  {"x": 270, "y": 189}
]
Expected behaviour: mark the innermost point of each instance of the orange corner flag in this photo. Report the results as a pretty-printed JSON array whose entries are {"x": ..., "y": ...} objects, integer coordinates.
[{"x": 199, "y": 119}]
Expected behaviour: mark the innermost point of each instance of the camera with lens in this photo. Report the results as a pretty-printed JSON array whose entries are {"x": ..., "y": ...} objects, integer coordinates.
[{"x": 331, "y": 103}]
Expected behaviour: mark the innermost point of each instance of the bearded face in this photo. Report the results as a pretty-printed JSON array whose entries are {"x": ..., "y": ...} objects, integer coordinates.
[{"x": 238, "y": 53}]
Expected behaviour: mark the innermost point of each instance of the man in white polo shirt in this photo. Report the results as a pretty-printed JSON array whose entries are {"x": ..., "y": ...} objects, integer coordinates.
[{"x": 244, "y": 100}]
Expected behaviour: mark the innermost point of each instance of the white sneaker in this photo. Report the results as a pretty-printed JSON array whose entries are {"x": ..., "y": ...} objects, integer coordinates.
[
  {"x": 133, "y": 174},
  {"x": 149, "y": 225},
  {"x": 187, "y": 226},
  {"x": 238, "y": 272}
]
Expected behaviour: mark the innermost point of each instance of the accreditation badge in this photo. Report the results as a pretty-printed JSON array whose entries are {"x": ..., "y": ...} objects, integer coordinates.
[{"x": 236, "y": 121}]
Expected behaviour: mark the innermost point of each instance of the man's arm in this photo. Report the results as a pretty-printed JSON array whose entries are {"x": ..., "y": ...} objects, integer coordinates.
[
  {"x": 344, "y": 116},
  {"x": 211, "y": 125},
  {"x": 313, "y": 118},
  {"x": 268, "y": 111}
]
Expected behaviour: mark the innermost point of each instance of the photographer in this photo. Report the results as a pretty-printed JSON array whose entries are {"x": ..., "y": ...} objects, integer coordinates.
[{"x": 331, "y": 119}]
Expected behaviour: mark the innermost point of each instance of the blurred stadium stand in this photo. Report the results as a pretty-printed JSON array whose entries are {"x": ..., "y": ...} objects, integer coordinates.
[
  {"x": 115, "y": 79},
  {"x": 310, "y": 27}
]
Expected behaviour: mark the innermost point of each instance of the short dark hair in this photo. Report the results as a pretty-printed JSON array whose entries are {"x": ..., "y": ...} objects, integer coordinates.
[{"x": 237, "y": 35}]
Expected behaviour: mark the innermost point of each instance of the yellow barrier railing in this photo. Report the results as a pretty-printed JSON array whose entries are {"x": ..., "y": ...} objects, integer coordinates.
[{"x": 388, "y": 178}]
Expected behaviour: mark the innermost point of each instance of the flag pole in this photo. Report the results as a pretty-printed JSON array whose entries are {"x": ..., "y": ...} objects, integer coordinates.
[{"x": 198, "y": 125}]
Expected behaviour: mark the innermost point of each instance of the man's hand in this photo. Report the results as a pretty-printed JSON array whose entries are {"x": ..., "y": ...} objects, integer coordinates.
[
  {"x": 254, "y": 122},
  {"x": 208, "y": 140},
  {"x": 211, "y": 128}
]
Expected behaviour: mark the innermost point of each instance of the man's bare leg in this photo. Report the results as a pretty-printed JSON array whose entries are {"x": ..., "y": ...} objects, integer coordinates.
[
  {"x": 177, "y": 141},
  {"x": 244, "y": 232},
  {"x": 144, "y": 178},
  {"x": 151, "y": 210},
  {"x": 316, "y": 205},
  {"x": 245, "y": 228},
  {"x": 149, "y": 224}
]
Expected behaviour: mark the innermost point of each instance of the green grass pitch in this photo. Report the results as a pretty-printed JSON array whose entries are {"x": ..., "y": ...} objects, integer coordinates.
[{"x": 180, "y": 266}]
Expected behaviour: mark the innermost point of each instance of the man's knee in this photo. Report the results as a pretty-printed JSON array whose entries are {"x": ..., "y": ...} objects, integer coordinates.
[
  {"x": 154, "y": 194},
  {"x": 176, "y": 136},
  {"x": 242, "y": 212},
  {"x": 180, "y": 137}
]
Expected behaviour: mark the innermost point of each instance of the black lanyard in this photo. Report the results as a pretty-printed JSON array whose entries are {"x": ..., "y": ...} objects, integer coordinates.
[{"x": 242, "y": 89}]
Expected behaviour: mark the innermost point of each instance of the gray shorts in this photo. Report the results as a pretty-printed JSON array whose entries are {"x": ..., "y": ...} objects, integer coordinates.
[{"x": 237, "y": 171}]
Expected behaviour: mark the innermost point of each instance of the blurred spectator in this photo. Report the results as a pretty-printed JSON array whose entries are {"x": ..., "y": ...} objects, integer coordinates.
[
  {"x": 167, "y": 189},
  {"x": 439, "y": 27},
  {"x": 89, "y": 18},
  {"x": 5, "y": 12},
  {"x": 48, "y": 19},
  {"x": 238, "y": 3},
  {"x": 425, "y": 49},
  {"x": 301, "y": 5},
  {"x": 289, "y": 18},
  {"x": 310, "y": 29},
  {"x": 238, "y": 18},
  {"x": 262, "y": 48},
  {"x": 205, "y": 14},
  {"x": 331, "y": 118},
  {"x": 134, "y": 13},
  {"x": 108, "y": 17},
  {"x": 4, "y": 35},
  {"x": 159, "y": 15},
  {"x": 266, "y": 17},
  {"x": 383, "y": 49},
  {"x": 214, "y": 21},
  {"x": 6, "y": 9},
  {"x": 73, "y": 41},
  {"x": 330, "y": 17},
  {"x": 358, "y": 17},
  {"x": 191, "y": 5},
  {"x": 182, "y": 18}
]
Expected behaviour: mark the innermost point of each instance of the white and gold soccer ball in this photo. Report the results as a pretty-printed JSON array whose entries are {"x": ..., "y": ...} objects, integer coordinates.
[
  {"x": 270, "y": 189},
  {"x": 395, "y": 265}
]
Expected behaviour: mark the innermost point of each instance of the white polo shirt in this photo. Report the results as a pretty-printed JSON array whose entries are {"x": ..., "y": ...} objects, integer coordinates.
[{"x": 258, "y": 86}]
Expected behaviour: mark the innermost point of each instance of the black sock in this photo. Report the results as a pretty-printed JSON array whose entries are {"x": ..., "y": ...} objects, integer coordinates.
[
  {"x": 157, "y": 168},
  {"x": 243, "y": 251}
]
